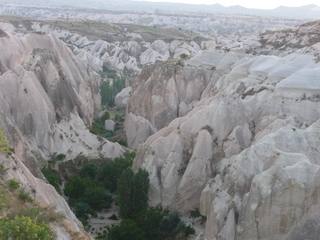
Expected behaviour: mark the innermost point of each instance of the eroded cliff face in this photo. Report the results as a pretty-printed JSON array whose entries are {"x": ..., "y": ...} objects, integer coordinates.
[
  {"x": 163, "y": 92},
  {"x": 246, "y": 153},
  {"x": 48, "y": 98}
]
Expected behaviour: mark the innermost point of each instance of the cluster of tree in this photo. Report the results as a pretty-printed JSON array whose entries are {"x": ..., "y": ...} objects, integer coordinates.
[
  {"x": 94, "y": 187},
  {"x": 109, "y": 89},
  {"x": 90, "y": 188},
  {"x": 141, "y": 222}
]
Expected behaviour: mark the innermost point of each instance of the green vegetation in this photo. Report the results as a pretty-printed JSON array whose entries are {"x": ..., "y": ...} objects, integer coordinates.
[
  {"x": 141, "y": 222},
  {"x": 109, "y": 89},
  {"x": 98, "y": 128},
  {"x": 133, "y": 192},
  {"x": 22, "y": 227},
  {"x": 52, "y": 178},
  {"x": 152, "y": 223},
  {"x": 24, "y": 196},
  {"x": 183, "y": 55},
  {"x": 13, "y": 184},
  {"x": 127, "y": 230},
  {"x": 89, "y": 184},
  {"x": 21, "y": 217},
  {"x": 4, "y": 144}
]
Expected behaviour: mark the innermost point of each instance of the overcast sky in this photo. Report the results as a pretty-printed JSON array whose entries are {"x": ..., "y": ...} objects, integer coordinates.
[{"x": 263, "y": 4}]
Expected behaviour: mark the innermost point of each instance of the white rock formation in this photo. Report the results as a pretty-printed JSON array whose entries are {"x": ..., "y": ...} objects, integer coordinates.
[
  {"x": 246, "y": 153},
  {"x": 123, "y": 97},
  {"x": 164, "y": 92},
  {"x": 109, "y": 125},
  {"x": 48, "y": 98}
]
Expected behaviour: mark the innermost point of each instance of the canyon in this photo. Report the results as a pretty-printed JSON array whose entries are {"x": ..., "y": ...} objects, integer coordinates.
[{"x": 224, "y": 124}]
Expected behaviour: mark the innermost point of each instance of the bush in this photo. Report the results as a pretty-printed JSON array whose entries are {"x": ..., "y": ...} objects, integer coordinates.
[
  {"x": 24, "y": 196},
  {"x": 4, "y": 144},
  {"x": 183, "y": 55},
  {"x": 113, "y": 217},
  {"x": 22, "y": 227},
  {"x": 123, "y": 142},
  {"x": 13, "y": 184},
  {"x": 3, "y": 169},
  {"x": 195, "y": 213}
]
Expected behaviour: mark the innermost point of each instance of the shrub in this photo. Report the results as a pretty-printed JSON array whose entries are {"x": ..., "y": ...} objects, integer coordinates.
[
  {"x": 3, "y": 169},
  {"x": 113, "y": 217},
  {"x": 183, "y": 55},
  {"x": 13, "y": 184},
  {"x": 24, "y": 196},
  {"x": 22, "y": 227},
  {"x": 195, "y": 213},
  {"x": 4, "y": 148}
]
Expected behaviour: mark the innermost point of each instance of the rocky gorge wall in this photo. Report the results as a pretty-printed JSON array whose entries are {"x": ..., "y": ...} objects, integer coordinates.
[
  {"x": 48, "y": 98},
  {"x": 245, "y": 153}
]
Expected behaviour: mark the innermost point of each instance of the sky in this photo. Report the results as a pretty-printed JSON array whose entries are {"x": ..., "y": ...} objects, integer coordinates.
[{"x": 261, "y": 4}]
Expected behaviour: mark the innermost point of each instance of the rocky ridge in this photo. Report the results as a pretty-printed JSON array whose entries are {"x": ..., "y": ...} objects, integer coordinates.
[
  {"x": 126, "y": 56},
  {"x": 48, "y": 98},
  {"x": 214, "y": 23},
  {"x": 246, "y": 150}
]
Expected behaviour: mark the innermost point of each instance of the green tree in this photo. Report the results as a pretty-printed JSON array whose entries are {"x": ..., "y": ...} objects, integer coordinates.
[
  {"x": 140, "y": 192},
  {"x": 82, "y": 210},
  {"x": 52, "y": 177},
  {"x": 89, "y": 170},
  {"x": 127, "y": 230},
  {"x": 172, "y": 225},
  {"x": 124, "y": 192},
  {"x": 109, "y": 90},
  {"x": 111, "y": 172},
  {"x": 149, "y": 221},
  {"x": 133, "y": 192},
  {"x": 76, "y": 187},
  {"x": 97, "y": 198}
]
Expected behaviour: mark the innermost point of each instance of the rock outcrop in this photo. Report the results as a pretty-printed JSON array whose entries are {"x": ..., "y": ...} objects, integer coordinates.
[
  {"x": 246, "y": 152},
  {"x": 48, "y": 98},
  {"x": 166, "y": 91},
  {"x": 126, "y": 57}
]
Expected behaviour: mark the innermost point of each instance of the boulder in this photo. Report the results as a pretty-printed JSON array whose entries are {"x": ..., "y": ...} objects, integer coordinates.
[{"x": 109, "y": 125}]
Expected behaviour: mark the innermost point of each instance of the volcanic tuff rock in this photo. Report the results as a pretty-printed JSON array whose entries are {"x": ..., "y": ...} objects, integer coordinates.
[
  {"x": 246, "y": 152},
  {"x": 202, "y": 19},
  {"x": 48, "y": 97},
  {"x": 166, "y": 91},
  {"x": 123, "y": 97},
  {"x": 123, "y": 56}
]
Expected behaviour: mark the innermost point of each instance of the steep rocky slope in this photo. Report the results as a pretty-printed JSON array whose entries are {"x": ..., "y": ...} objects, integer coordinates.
[
  {"x": 48, "y": 98},
  {"x": 246, "y": 151}
]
